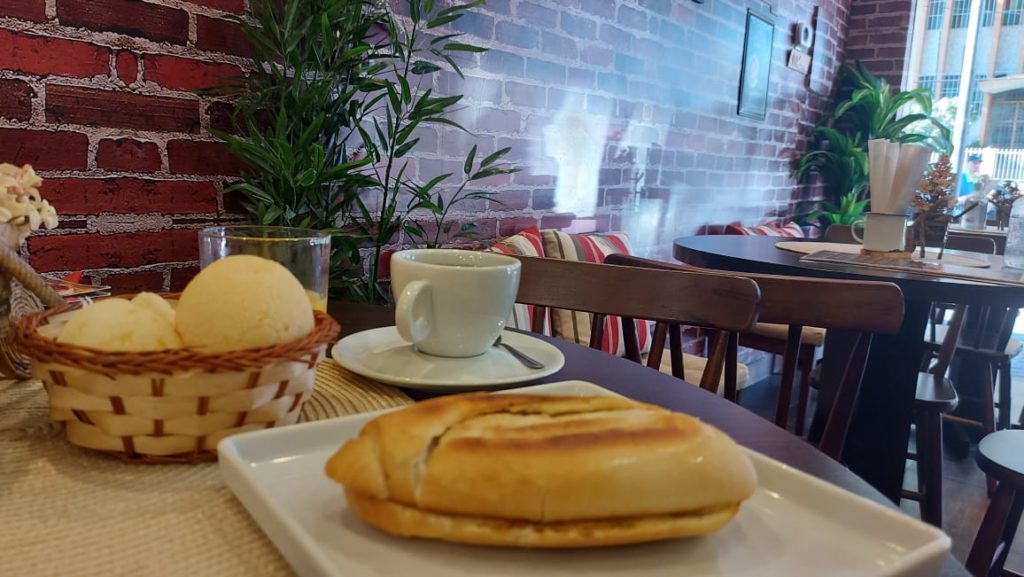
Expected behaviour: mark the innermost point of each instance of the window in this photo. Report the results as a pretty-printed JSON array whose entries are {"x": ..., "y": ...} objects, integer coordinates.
[
  {"x": 960, "y": 13},
  {"x": 950, "y": 86},
  {"x": 926, "y": 82},
  {"x": 975, "y": 98},
  {"x": 1008, "y": 120},
  {"x": 1012, "y": 15},
  {"x": 935, "y": 10},
  {"x": 988, "y": 13}
]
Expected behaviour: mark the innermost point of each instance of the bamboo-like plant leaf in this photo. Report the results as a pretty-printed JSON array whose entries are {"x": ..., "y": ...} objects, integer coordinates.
[
  {"x": 467, "y": 167},
  {"x": 424, "y": 67}
]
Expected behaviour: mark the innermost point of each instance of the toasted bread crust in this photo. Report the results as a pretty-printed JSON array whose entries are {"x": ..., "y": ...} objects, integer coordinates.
[
  {"x": 404, "y": 521},
  {"x": 544, "y": 459}
]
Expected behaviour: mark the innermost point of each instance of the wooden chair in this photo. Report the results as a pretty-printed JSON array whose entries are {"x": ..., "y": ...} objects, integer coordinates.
[
  {"x": 864, "y": 308},
  {"x": 1000, "y": 457},
  {"x": 935, "y": 397},
  {"x": 987, "y": 340},
  {"x": 723, "y": 303}
]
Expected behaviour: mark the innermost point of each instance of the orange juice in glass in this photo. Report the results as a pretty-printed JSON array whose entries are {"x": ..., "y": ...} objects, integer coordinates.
[{"x": 306, "y": 253}]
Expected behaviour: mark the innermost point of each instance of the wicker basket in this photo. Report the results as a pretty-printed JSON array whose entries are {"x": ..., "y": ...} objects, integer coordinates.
[{"x": 174, "y": 405}]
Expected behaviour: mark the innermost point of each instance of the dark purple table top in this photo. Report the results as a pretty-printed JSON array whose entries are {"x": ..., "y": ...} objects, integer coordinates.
[{"x": 757, "y": 254}]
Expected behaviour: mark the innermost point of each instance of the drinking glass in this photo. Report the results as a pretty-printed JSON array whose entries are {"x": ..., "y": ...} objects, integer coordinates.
[{"x": 306, "y": 253}]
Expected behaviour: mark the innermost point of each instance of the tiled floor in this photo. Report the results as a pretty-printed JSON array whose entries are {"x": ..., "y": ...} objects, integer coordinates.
[{"x": 964, "y": 484}]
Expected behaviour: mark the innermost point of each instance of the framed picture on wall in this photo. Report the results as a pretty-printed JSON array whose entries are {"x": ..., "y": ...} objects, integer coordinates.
[{"x": 757, "y": 64}]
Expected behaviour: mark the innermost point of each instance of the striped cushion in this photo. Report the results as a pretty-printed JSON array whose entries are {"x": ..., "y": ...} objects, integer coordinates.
[
  {"x": 788, "y": 230},
  {"x": 574, "y": 325},
  {"x": 525, "y": 243}
]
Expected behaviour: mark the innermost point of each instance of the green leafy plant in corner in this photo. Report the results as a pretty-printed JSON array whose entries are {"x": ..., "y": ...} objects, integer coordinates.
[
  {"x": 402, "y": 104},
  {"x": 867, "y": 108}
]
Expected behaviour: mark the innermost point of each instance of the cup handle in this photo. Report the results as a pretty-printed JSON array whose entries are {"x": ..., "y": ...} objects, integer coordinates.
[
  {"x": 413, "y": 319},
  {"x": 853, "y": 230}
]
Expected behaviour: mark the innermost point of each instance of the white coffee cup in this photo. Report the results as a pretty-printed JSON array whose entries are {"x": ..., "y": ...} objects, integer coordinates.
[
  {"x": 452, "y": 303},
  {"x": 882, "y": 232}
]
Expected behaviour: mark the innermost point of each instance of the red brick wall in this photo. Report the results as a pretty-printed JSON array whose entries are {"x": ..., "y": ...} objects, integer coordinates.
[
  {"x": 878, "y": 36},
  {"x": 97, "y": 95}
]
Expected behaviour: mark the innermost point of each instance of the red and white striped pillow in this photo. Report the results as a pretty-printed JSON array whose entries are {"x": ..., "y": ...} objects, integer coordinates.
[
  {"x": 524, "y": 243},
  {"x": 575, "y": 325},
  {"x": 788, "y": 230}
]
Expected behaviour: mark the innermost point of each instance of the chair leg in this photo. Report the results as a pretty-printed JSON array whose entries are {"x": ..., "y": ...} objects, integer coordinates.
[
  {"x": 804, "y": 394},
  {"x": 988, "y": 421},
  {"x": 929, "y": 465},
  {"x": 994, "y": 527},
  {"x": 1003, "y": 421},
  {"x": 1009, "y": 531}
]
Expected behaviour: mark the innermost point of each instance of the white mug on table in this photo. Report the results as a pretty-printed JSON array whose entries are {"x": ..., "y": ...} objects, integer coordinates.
[
  {"x": 452, "y": 303},
  {"x": 882, "y": 232}
]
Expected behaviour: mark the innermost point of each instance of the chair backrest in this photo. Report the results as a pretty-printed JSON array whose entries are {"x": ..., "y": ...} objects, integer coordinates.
[
  {"x": 971, "y": 243},
  {"x": 861, "y": 307},
  {"x": 715, "y": 301}
]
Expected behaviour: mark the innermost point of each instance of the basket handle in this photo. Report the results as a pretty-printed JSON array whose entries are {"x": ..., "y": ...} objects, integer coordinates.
[{"x": 28, "y": 277}]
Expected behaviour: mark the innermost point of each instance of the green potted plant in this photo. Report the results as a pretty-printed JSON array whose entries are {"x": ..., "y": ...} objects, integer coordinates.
[
  {"x": 867, "y": 108},
  {"x": 326, "y": 121}
]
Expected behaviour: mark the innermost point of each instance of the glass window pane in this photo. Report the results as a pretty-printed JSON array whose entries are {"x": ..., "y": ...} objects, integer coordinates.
[
  {"x": 988, "y": 13},
  {"x": 936, "y": 8},
  {"x": 961, "y": 11},
  {"x": 1012, "y": 14}
]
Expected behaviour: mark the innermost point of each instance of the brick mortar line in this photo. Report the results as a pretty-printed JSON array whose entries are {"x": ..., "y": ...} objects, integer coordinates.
[{"x": 115, "y": 41}]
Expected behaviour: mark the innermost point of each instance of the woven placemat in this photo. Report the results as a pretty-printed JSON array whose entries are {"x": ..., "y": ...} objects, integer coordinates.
[{"x": 70, "y": 511}]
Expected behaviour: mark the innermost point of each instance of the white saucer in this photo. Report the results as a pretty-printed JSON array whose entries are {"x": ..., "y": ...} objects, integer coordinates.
[{"x": 382, "y": 355}]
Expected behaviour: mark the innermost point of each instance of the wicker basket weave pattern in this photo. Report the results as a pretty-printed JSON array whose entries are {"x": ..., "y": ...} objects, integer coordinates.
[{"x": 171, "y": 405}]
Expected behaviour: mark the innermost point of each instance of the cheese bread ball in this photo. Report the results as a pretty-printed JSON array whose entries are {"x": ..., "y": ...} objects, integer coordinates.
[
  {"x": 116, "y": 324},
  {"x": 243, "y": 302}
]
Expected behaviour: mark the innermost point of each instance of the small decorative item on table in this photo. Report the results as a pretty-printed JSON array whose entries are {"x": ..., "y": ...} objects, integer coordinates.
[
  {"x": 1003, "y": 198},
  {"x": 22, "y": 211},
  {"x": 933, "y": 205}
]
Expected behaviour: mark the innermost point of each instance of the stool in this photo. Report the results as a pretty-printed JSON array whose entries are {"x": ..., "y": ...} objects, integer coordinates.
[{"x": 1001, "y": 457}]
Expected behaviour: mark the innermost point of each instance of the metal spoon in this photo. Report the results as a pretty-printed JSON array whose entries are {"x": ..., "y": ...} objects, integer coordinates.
[{"x": 528, "y": 361}]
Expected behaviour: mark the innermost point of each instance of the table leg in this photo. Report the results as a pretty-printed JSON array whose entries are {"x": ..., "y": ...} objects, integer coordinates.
[{"x": 876, "y": 448}]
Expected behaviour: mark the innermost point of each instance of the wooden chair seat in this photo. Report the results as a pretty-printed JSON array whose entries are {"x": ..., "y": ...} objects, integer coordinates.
[
  {"x": 936, "y": 392},
  {"x": 1001, "y": 457},
  {"x": 813, "y": 336}
]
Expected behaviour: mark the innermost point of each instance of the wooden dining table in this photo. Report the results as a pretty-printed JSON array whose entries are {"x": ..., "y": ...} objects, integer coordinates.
[
  {"x": 877, "y": 445},
  {"x": 638, "y": 382}
]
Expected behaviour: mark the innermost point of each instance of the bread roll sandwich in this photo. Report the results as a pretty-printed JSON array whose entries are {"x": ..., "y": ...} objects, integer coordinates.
[{"x": 540, "y": 471}]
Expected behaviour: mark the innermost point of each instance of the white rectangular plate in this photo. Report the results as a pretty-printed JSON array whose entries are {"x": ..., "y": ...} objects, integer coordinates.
[{"x": 795, "y": 525}]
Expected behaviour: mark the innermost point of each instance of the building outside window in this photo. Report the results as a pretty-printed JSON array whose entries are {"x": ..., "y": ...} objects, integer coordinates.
[
  {"x": 950, "y": 86},
  {"x": 935, "y": 10},
  {"x": 975, "y": 69},
  {"x": 975, "y": 98},
  {"x": 988, "y": 13},
  {"x": 926, "y": 82},
  {"x": 1008, "y": 121},
  {"x": 1012, "y": 15},
  {"x": 960, "y": 13}
]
